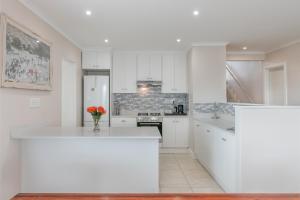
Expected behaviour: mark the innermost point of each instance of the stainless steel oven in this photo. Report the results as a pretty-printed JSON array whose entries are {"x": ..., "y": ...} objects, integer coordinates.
[{"x": 150, "y": 120}]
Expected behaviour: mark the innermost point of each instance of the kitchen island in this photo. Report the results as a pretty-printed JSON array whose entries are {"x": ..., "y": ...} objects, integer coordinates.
[{"x": 77, "y": 160}]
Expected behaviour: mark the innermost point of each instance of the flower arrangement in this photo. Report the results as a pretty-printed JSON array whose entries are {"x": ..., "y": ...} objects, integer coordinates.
[{"x": 96, "y": 113}]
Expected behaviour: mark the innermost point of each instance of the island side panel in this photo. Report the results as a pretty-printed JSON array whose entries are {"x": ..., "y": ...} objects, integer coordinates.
[{"x": 90, "y": 166}]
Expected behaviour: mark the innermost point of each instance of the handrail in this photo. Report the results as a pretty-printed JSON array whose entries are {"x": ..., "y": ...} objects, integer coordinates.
[{"x": 239, "y": 84}]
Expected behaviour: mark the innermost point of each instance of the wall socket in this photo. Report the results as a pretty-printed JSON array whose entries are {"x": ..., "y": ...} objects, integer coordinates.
[{"x": 34, "y": 103}]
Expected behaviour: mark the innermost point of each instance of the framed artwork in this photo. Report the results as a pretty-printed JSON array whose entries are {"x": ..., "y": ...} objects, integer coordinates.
[{"x": 26, "y": 58}]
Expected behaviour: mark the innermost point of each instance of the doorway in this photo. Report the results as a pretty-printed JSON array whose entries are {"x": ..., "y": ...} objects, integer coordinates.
[
  {"x": 68, "y": 94},
  {"x": 276, "y": 84}
]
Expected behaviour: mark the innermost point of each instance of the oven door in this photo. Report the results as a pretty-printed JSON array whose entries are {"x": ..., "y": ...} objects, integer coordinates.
[{"x": 152, "y": 124}]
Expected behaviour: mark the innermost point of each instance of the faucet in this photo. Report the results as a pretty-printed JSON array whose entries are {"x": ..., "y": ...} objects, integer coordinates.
[{"x": 215, "y": 116}]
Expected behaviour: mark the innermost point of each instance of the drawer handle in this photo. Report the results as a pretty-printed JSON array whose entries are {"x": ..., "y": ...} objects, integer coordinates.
[{"x": 224, "y": 139}]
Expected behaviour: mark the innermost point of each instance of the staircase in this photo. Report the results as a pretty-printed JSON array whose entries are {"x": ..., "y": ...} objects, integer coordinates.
[{"x": 235, "y": 91}]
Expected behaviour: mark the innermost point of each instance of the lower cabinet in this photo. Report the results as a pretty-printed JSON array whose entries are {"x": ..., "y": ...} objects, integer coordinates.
[
  {"x": 123, "y": 122},
  {"x": 175, "y": 132},
  {"x": 216, "y": 150}
]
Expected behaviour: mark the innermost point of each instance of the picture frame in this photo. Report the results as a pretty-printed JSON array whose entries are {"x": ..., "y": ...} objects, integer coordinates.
[{"x": 27, "y": 58}]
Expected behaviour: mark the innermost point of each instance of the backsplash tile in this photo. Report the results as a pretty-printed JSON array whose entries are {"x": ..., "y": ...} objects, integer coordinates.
[
  {"x": 149, "y": 99},
  {"x": 222, "y": 108}
]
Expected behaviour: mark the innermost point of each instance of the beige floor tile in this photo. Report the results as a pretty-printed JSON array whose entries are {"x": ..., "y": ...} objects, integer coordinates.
[
  {"x": 202, "y": 182},
  {"x": 176, "y": 190},
  {"x": 168, "y": 164},
  {"x": 207, "y": 190},
  {"x": 189, "y": 164},
  {"x": 172, "y": 178}
]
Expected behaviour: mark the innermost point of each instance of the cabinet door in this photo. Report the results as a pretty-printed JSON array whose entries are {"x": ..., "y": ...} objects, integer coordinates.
[
  {"x": 168, "y": 73},
  {"x": 155, "y": 67},
  {"x": 168, "y": 133},
  {"x": 103, "y": 60},
  {"x": 227, "y": 173},
  {"x": 208, "y": 147},
  {"x": 181, "y": 132},
  {"x": 197, "y": 139},
  {"x": 124, "y": 73},
  {"x": 131, "y": 73},
  {"x": 89, "y": 59},
  {"x": 180, "y": 73},
  {"x": 143, "y": 67}
]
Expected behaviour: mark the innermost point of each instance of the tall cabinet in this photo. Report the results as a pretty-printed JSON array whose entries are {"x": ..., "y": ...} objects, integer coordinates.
[{"x": 207, "y": 73}]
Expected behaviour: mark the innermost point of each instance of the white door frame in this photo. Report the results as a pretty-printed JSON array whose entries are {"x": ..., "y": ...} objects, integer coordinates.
[
  {"x": 267, "y": 81},
  {"x": 67, "y": 120}
]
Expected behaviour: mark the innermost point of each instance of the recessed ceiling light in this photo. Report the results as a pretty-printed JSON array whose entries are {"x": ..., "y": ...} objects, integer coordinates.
[
  {"x": 37, "y": 41},
  {"x": 196, "y": 12},
  {"x": 245, "y": 48},
  {"x": 88, "y": 13},
  {"x": 106, "y": 40},
  {"x": 178, "y": 40}
]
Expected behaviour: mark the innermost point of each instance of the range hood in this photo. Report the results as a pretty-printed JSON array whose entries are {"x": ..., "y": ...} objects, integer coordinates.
[{"x": 149, "y": 83}]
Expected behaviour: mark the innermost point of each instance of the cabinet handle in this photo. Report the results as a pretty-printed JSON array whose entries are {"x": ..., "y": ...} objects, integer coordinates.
[
  {"x": 208, "y": 131},
  {"x": 224, "y": 139},
  {"x": 198, "y": 125}
]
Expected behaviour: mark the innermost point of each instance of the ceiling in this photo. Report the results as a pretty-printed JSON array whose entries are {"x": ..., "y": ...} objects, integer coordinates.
[{"x": 261, "y": 25}]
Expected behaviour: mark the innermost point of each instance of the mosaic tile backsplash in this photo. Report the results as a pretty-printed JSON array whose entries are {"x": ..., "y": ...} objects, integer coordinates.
[
  {"x": 222, "y": 108},
  {"x": 149, "y": 99}
]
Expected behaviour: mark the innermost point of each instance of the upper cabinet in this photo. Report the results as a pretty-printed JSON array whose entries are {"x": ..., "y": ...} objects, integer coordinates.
[
  {"x": 149, "y": 67},
  {"x": 96, "y": 59},
  {"x": 124, "y": 72},
  {"x": 207, "y": 74},
  {"x": 174, "y": 73}
]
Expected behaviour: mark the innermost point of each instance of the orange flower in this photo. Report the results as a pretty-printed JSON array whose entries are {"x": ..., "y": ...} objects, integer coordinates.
[
  {"x": 92, "y": 109},
  {"x": 101, "y": 110}
]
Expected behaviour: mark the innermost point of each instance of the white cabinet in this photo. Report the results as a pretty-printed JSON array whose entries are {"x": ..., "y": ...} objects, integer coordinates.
[
  {"x": 174, "y": 73},
  {"x": 149, "y": 67},
  {"x": 124, "y": 72},
  {"x": 123, "y": 122},
  {"x": 216, "y": 150},
  {"x": 96, "y": 59},
  {"x": 207, "y": 74},
  {"x": 175, "y": 132}
]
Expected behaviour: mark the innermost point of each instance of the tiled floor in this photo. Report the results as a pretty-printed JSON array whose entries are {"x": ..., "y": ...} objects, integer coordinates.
[{"x": 180, "y": 173}]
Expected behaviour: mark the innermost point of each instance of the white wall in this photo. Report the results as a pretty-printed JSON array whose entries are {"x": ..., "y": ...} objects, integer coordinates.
[
  {"x": 14, "y": 103},
  {"x": 291, "y": 56}
]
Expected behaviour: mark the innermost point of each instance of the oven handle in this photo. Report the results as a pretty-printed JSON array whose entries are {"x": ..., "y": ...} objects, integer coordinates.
[{"x": 142, "y": 123}]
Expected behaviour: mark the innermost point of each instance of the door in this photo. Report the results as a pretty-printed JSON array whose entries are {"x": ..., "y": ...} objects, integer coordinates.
[
  {"x": 68, "y": 94},
  {"x": 276, "y": 85}
]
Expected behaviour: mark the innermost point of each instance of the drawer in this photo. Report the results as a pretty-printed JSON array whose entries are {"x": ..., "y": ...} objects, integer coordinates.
[{"x": 123, "y": 122}]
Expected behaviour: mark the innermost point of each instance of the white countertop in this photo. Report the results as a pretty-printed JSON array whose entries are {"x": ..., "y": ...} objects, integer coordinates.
[
  {"x": 86, "y": 132},
  {"x": 218, "y": 123}
]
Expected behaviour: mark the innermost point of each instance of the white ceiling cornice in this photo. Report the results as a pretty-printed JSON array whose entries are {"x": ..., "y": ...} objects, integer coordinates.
[
  {"x": 40, "y": 14},
  {"x": 246, "y": 53},
  {"x": 284, "y": 46},
  {"x": 199, "y": 44}
]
